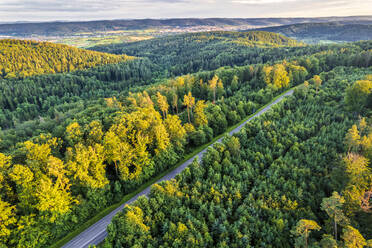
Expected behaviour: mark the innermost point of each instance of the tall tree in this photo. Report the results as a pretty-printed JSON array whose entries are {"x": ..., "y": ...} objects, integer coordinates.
[
  {"x": 352, "y": 139},
  {"x": 175, "y": 102},
  {"x": 188, "y": 101},
  {"x": 358, "y": 191},
  {"x": 317, "y": 81},
  {"x": 220, "y": 89},
  {"x": 200, "y": 117},
  {"x": 213, "y": 85},
  {"x": 333, "y": 207},
  {"x": 235, "y": 83},
  {"x": 280, "y": 76},
  {"x": 302, "y": 230},
  {"x": 162, "y": 104},
  {"x": 175, "y": 129},
  {"x": 306, "y": 88},
  {"x": 352, "y": 238}
]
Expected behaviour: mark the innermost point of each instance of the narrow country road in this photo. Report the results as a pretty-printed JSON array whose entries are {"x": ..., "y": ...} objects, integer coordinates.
[{"x": 96, "y": 233}]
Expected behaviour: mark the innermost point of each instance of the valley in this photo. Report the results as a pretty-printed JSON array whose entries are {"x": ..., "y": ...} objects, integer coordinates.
[{"x": 94, "y": 33}]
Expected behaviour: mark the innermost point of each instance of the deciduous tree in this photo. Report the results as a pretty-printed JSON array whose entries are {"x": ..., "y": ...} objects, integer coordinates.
[
  {"x": 162, "y": 104},
  {"x": 188, "y": 101},
  {"x": 200, "y": 117},
  {"x": 213, "y": 85},
  {"x": 333, "y": 207},
  {"x": 352, "y": 238},
  {"x": 302, "y": 230}
]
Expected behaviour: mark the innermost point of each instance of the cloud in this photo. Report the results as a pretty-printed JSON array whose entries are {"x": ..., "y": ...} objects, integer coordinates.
[
  {"x": 46, "y": 10},
  {"x": 262, "y": 1}
]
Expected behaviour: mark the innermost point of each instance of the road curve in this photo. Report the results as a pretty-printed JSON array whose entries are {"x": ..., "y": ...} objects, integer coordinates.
[{"x": 96, "y": 233}]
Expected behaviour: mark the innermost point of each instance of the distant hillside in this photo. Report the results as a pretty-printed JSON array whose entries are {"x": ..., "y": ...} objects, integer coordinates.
[
  {"x": 20, "y": 58},
  {"x": 250, "y": 39},
  {"x": 333, "y": 31},
  {"x": 190, "y": 52},
  {"x": 68, "y": 28}
]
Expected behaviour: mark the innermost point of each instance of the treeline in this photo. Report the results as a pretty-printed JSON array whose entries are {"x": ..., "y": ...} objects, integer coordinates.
[
  {"x": 267, "y": 185},
  {"x": 182, "y": 54},
  {"x": 23, "y": 58}
]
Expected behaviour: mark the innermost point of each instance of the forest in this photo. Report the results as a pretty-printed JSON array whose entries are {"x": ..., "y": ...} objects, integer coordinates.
[
  {"x": 186, "y": 53},
  {"x": 280, "y": 182},
  {"x": 19, "y": 58},
  {"x": 74, "y": 143}
]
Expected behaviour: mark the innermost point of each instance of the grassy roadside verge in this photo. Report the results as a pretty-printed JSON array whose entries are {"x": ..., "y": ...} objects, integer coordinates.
[{"x": 127, "y": 197}]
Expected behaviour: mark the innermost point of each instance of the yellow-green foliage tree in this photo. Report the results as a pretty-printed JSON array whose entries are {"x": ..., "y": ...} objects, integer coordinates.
[
  {"x": 333, "y": 206},
  {"x": 358, "y": 190},
  {"x": 213, "y": 85},
  {"x": 22, "y": 58},
  {"x": 162, "y": 104},
  {"x": 133, "y": 138},
  {"x": 175, "y": 129},
  {"x": 189, "y": 102},
  {"x": 317, "y": 82},
  {"x": 357, "y": 95},
  {"x": 302, "y": 231},
  {"x": 276, "y": 76},
  {"x": 175, "y": 102},
  {"x": 7, "y": 219},
  {"x": 42, "y": 183},
  {"x": 352, "y": 238},
  {"x": 87, "y": 165},
  {"x": 200, "y": 117}
]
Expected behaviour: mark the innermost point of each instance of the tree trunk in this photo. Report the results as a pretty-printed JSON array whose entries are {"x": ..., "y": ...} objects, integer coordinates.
[
  {"x": 335, "y": 229},
  {"x": 188, "y": 113},
  {"x": 116, "y": 168}
]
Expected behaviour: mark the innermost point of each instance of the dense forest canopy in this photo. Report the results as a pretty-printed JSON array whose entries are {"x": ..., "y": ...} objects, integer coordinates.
[
  {"x": 185, "y": 53},
  {"x": 63, "y": 97},
  {"x": 269, "y": 185},
  {"x": 182, "y": 54},
  {"x": 74, "y": 143},
  {"x": 22, "y": 58}
]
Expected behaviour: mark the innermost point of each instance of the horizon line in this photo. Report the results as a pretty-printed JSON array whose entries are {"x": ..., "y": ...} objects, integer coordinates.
[{"x": 176, "y": 18}]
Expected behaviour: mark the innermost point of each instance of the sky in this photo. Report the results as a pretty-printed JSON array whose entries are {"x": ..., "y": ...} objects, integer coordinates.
[{"x": 82, "y": 10}]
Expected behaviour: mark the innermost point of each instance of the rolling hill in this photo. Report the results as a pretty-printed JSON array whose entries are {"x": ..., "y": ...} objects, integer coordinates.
[
  {"x": 68, "y": 28},
  {"x": 332, "y": 31},
  {"x": 202, "y": 51},
  {"x": 21, "y": 58}
]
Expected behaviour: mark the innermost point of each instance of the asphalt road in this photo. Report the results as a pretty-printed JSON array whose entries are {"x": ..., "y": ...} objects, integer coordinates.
[{"x": 96, "y": 233}]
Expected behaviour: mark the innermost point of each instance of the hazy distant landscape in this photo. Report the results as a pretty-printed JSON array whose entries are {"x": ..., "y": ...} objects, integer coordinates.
[
  {"x": 88, "y": 34},
  {"x": 324, "y": 32}
]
